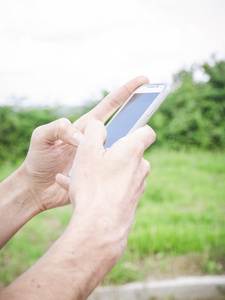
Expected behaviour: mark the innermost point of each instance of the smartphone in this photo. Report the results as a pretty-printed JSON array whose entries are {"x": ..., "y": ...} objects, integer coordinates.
[{"x": 136, "y": 111}]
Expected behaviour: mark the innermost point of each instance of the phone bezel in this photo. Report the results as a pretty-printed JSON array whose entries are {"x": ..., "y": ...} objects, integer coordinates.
[{"x": 162, "y": 88}]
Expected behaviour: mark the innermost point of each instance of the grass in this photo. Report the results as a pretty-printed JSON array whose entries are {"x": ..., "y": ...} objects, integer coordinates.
[
  {"x": 182, "y": 212},
  {"x": 179, "y": 226}
]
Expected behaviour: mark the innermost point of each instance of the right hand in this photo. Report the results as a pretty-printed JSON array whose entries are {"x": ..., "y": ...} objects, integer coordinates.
[
  {"x": 106, "y": 184},
  {"x": 102, "y": 112}
]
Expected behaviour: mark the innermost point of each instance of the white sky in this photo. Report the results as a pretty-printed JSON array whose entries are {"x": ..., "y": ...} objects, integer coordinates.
[{"x": 67, "y": 51}]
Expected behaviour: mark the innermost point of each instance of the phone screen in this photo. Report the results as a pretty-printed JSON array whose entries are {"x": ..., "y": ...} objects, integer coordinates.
[{"x": 128, "y": 116}]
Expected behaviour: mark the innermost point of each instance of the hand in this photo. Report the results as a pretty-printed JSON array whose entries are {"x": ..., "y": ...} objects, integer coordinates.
[
  {"x": 105, "y": 188},
  {"x": 53, "y": 148},
  {"x": 106, "y": 184},
  {"x": 102, "y": 112}
]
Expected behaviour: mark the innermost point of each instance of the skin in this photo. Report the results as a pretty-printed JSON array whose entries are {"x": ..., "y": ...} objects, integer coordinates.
[{"x": 103, "y": 215}]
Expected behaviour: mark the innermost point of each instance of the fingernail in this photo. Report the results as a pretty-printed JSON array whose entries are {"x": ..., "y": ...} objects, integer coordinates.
[{"x": 77, "y": 138}]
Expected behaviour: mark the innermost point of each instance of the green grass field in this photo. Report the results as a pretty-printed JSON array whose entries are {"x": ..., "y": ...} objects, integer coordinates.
[{"x": 179, "y": 227}]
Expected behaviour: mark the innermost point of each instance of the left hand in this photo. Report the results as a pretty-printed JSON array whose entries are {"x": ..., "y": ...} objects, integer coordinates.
[{"x": 52, "y": 150}]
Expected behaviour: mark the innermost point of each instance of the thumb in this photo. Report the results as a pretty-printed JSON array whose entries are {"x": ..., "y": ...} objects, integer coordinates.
[{"x": 61, "y": 129}]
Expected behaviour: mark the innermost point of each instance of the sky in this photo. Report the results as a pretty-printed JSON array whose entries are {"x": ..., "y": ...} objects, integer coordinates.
[{"x": 68, "y": 52}]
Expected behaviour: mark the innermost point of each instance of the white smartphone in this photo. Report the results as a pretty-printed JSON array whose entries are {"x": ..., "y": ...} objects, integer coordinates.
[{"x": 136, "y": 111}]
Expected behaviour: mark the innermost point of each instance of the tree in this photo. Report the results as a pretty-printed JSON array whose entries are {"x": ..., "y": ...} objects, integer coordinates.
[{"x": 193, "y": 114}]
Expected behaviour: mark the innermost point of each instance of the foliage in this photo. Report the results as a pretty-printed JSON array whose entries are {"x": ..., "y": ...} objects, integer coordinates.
[{"x": 193, "y": 114}]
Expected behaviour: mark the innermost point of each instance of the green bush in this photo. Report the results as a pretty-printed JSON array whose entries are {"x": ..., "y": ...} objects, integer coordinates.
[{"x": 192, "y": 116}]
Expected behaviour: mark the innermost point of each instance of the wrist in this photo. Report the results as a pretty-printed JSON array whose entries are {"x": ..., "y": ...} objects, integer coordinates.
[
  {"x": 71, "y": 269},
  {"x": 85, "y": 254},
  {"x": 32, "y": 192},
  {"x": 27, "y": 194},
  {"x": 16, "y": 206}
]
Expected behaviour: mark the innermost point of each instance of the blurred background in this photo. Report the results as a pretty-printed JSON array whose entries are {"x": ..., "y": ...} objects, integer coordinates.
[
  {"x": 60, "y": 58},
  {"x": 55, "y": 51}
]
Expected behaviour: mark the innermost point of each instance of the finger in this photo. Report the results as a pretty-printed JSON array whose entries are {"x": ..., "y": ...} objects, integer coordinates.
[
  {"x": 63, "y": 181},
  {"x": 146, "y": 167},
  {"x": 61, "y": 129},
  {"x": 95, "y": 134},
  {"x": 114, "y": 100},
  {"x": 143, "y": 137}
]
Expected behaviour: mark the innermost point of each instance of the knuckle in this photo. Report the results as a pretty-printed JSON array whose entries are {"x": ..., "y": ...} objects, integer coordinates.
[
  {"x": 148, "y": 167},
  {"x": 152, "y": 133},
  {"x": 63, "y": 123},
  {"x": 61, "y": 126},
  {"x": 113, "y": 102},
  {"x": 145, "y": 168},
  {"x": 37, "y": 133}
]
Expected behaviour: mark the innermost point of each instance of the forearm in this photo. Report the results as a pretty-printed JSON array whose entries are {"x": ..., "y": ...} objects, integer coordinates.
[
  {"x": 17, "y": 205},
  {"x": 71, "y": 269}
]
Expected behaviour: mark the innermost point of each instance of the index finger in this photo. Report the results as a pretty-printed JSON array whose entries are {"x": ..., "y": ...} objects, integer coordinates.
[
  {"x": 114, "y": 100},
  {"x": 144, "y": 137}
]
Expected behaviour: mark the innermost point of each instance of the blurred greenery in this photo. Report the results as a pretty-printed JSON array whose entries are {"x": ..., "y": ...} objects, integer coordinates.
[{"x": 192, "y": 115}]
